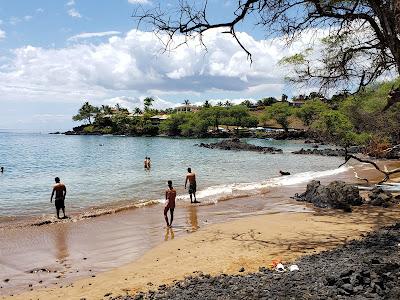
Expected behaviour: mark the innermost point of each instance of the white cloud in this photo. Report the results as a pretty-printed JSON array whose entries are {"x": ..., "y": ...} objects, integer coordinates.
[
  {"x": 14, "y": 20},
  {"x": 139, "y": 1},
  {"x": 2, "y": 34},
  {"x": 87, "y": 35},
  {"x": 132, "y": 102},
  {"x": 135, "y": 65},
  {"x": 39, "y": 10},
  {"x": 71, "y": 3},
  {"x": 74, "y": 13}
]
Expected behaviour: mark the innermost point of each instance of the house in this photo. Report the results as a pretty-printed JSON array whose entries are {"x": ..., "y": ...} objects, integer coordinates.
[
  {"x": 186, "y": 108},
  {"x": 157, "y": 119},
  {"x": 297, "y": 103}
]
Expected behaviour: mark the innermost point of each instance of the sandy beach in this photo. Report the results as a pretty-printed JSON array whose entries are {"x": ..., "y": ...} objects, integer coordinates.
[
  {"x": 226, "y": 248},
  {"x": 133, "y": 251}
]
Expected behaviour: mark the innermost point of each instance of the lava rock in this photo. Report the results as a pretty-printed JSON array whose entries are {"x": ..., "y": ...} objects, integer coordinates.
[{"x": 337, "y": 195}]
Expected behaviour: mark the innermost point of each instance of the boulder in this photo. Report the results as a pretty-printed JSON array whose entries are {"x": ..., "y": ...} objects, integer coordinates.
[
  {"x": 379, "y": 197},
  {"x": 337, "y": 195},
  {"x": 236, "y": 144}
]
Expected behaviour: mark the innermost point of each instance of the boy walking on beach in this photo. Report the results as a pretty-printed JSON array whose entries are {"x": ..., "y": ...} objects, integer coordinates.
[
  {"x": 170, "y": 195},
  {"x": 191, "y": 177},
  {"x": 60, "y": 191}
]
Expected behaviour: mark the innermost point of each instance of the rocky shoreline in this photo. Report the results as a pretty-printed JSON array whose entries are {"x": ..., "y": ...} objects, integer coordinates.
[
  {"x": 364, "y": 269},
  {"x": 237, "y": 145}
]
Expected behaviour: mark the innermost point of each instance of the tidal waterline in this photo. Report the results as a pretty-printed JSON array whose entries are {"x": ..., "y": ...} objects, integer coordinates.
[{"x": 108, "y": 170}]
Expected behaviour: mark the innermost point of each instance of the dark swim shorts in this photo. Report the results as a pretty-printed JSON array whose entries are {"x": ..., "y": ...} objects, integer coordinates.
[
  {"x": 192, "y": 188},
  {"x": 59, "y": 203}
]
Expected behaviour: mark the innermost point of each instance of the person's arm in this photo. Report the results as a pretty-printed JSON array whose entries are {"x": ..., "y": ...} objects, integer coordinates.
[
  {"x": 52, "y": 194},
  {"x": 166, "y": 198},
  {"x": 65, "y": 191},
  {"x": 186, "y": 181}
]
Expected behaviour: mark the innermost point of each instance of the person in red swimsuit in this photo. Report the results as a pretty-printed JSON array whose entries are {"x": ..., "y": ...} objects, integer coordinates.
[{"x": 170, "y": 195}]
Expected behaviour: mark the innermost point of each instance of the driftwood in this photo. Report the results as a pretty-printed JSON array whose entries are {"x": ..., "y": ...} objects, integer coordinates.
[{"x": 385, "y": 172}]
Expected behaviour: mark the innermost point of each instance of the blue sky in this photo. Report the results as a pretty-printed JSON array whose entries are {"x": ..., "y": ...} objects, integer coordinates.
[{"x": 55, "y": 54}]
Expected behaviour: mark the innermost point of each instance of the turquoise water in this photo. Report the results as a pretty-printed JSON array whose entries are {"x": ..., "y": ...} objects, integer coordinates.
[{"x": 108, "y": 170}]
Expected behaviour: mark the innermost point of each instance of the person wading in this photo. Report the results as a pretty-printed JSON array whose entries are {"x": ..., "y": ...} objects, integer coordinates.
[
  {"x": 191, "y": 177},
  {"x": 60, "y": 191},
  {"x": 170, "y": 195}
]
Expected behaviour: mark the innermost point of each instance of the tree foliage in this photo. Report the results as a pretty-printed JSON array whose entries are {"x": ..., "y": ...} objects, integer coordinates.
[
  {"x": 86, "y": 113},
  {"x": 361, "y": 38},
  {"x": 311, "y": 111},
  {"x": 280, "y": 112}
]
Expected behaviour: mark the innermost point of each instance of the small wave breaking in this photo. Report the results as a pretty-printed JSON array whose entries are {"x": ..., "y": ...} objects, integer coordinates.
[{"x": 208, "y": 196}]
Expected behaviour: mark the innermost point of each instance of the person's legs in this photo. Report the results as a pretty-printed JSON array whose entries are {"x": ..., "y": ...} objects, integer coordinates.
[
  {"x": 63, "y": 209},
  {"x": 171, "y": 210},
  {"x": 191, "y": 199},
  {"x": 165, "y": 215},
  {"x": 58, "y": 212}
]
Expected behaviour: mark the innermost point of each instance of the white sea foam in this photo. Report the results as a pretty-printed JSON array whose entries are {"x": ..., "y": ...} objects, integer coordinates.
[{"x": 215, "y": 193}]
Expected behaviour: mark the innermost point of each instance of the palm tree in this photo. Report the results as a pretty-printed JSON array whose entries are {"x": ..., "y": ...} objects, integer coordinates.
[
  {"x": 147, "y": 102},
  {"x": 137, "y": 111},
  {"x": 106, "y": 109},
  {"x": 220, "y": 103},
  {"x": 207, "y": 104},
  {"x": 186, "y": 102},
  {"x": 227, "y": 103}
]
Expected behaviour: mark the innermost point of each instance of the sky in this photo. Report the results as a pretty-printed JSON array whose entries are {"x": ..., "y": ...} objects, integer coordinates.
[{"x": 57, "y": 54}]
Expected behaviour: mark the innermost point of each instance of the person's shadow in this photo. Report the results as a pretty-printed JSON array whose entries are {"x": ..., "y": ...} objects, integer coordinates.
[{"x": 169, "y": 234}]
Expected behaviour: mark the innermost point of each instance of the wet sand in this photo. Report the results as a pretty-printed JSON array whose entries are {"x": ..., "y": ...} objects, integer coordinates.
[{"x": 212, "y": 239}]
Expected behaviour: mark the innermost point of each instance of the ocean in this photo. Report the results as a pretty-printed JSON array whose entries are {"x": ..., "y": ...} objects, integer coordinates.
[{"x": 102, "y": 172}]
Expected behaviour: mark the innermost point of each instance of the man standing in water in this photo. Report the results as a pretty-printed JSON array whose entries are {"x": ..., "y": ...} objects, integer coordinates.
[
  {"x": 60, "y": 191},
  {"x": 170, "y": 195},
  {"x": 191, "y": 177}
]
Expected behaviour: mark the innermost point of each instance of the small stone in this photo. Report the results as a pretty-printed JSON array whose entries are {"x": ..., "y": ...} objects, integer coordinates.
[
  {"x": 108, "y": 294},
  {"x": 6, "y": 280},
  {"x": 241, "y": 269},
  {"x": 348, "y": 288}
]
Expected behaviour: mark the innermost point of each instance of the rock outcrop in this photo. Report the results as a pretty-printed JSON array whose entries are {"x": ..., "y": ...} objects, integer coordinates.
[
  {"x": 379, "y": 197},
  {"x": 236, "y": 144},
  {"x": 337, "y": 195},
  {"x": 329, "y": 152}
]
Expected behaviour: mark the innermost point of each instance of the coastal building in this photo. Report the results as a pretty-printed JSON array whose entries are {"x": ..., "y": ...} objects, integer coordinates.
[
  {"x": 185, "y": 108},
  {"x": 157, "y": 119},
  {"x": 297, "y": 103}
]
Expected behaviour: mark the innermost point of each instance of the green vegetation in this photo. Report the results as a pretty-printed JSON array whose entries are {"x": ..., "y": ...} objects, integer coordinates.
[
  {"x": 280, "y": 112},
  {"x": 343, "y": 119}
]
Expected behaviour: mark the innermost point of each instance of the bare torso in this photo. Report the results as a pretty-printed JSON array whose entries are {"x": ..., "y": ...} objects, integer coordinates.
[
  {"x": 59, "y": 189},
  {"x": 170, "y": 195},
  {"x": 191, "y": 177}
]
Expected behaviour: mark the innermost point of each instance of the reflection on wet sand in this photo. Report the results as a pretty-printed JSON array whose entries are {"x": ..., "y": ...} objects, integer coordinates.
[
  {"x": 60, "y": 239},
  {"x": 192, "y": 218},
  {"x": 169, "y": 234}
]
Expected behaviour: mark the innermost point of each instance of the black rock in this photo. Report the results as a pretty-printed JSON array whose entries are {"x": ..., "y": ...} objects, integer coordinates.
[{"x": 337, "y": 194}]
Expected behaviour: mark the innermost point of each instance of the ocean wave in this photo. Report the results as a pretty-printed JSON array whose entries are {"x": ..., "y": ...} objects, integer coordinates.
[
  {"x": 217, "y": 193},
  {"x": 208, "y": 196}
]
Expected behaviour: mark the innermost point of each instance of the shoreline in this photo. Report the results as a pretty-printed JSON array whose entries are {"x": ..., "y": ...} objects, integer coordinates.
[
  {"x": 209, "y": 196},
  {"x": 113, "y": 238},
  {"x": 225, "y": 248}
]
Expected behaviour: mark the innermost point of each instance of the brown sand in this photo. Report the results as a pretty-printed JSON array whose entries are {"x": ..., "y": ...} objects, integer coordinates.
[
  {"x": 225, "y": 248},
  {"x": 242, "y": 240}
]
